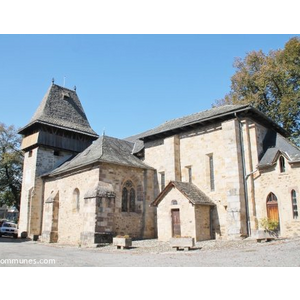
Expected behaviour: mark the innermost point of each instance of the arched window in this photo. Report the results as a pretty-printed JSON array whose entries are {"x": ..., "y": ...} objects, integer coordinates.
[
  {"x": 294, "y": 204},
  {"x": 282, "y": 164},
  {"x": 76, "y": 200},
  {"x": 271, "y": 199},
  {"x": 128, "y": 197}
]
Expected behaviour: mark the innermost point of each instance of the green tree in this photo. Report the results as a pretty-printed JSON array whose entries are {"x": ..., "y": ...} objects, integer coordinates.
[
  {"x": 271, "y": 83},
  {"x": 11, "y": 160}
]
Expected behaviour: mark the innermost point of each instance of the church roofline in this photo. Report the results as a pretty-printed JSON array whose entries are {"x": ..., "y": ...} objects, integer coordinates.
[
  {"x": 31, "y": 125},
  {"x": 202, "y": 118},
  {"x": 104, "y": 150}
]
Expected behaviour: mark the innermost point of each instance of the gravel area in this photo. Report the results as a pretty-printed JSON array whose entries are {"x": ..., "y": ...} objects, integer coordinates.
[{"x": 153, "y": 253}]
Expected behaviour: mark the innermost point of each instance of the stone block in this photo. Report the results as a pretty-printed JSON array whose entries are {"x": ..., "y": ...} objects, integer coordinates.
[
  {"x": 182, "y": 242},
  {"x": 122, "y": 242}
]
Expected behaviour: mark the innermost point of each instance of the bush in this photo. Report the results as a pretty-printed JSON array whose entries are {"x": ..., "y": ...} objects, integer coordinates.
[{"x": 269, "y": 225}]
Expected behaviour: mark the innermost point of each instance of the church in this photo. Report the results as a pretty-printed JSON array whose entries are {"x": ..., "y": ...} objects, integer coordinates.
[{"x": 214, "y": 174}]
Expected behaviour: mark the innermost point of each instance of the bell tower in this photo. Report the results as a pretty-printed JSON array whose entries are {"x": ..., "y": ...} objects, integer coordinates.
[{"x": 58, "y": 131}]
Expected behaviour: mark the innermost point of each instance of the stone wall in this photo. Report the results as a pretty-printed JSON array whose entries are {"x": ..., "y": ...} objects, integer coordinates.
[
  {"x": 102, "y": 214},
  {"x": 164, "y": 215},
  {"x": 51, "y": 214},
  {"x": 37, "y": 161},
  {"x": 220, "y": 143},
  {"x": 281, "y": 184},
  {"x": 71, "y": 217},
  {"x": 142, "y": 222},
  {"x": 203, "y": 224}
]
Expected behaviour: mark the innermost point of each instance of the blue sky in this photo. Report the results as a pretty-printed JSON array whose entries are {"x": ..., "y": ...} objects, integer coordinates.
[{"x": 127, "y": 83}]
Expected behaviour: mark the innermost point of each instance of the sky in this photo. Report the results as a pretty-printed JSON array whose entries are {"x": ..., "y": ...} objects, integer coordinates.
[{"x": 127, "y": 84}]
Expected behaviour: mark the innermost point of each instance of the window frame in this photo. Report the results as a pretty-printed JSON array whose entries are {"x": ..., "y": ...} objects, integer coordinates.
[
  {"x": 294, "y": 204},
  {"x": 128, "y": 203},
  {"x": 282, "y": 167},
  {"x": 162, "y": 180},
  {"x": 76, "y": 200},
  {"x": 190, "y": 174},
  {"x": 211, "y": 172}
]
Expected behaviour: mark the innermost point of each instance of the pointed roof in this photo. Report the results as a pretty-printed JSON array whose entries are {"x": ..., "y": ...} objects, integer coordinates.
[
  {"x": 104, "y": 149},
  {"x": 61, "y": 108},
  {"x": 189, "y": 190}
]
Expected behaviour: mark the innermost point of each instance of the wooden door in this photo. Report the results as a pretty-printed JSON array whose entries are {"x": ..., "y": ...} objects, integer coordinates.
[
  {"x": 175, "y": 222},
  {"x": 272, "y": 208},
  {"x": 273, "y": 212}
]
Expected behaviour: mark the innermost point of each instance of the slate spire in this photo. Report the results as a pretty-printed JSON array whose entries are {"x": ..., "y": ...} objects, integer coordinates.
[{"x": 61, "y": 108}]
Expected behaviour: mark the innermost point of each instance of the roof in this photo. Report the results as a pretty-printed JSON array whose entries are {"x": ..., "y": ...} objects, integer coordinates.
[
  {"x": 210, "y": 116},
  {"x": 189, "y": 190},
  {"x": 275, "y": 144},
  {"x": 104, "y": 149},
  {"x": 61, "y": 108}
]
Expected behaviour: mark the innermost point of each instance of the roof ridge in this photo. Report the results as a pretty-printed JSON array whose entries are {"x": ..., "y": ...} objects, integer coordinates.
[
  {"x": 207, "y": 110},
  {"x": 62, "y": 87}
]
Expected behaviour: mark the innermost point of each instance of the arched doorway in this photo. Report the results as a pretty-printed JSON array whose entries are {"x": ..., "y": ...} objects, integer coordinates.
[{"x": 272, "y": 208}]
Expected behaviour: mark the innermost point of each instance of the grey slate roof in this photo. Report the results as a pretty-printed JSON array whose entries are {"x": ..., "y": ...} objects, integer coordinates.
[
  {"x": 184, "y": 122},
  {"x": 191, "y": 119},
  {"x": 276, "y": 144},
  {"x": 61, "y": 108},
  {"x": 189, "y": 190},
  {"x": 104, "y": 149}
]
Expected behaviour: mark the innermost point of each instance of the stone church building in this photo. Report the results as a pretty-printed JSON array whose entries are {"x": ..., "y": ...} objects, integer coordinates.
[{"x": 211, "y": 175}]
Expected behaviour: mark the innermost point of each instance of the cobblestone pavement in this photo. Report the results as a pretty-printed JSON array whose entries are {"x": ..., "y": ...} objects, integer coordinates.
[{"x": 153, "y": 253}]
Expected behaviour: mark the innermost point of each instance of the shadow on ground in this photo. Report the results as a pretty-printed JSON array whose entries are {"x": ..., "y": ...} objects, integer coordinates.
[{"x": 8, "y": 239}]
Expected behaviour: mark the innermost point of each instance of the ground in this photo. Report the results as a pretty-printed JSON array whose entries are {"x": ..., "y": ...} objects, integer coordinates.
[{"x": 152, "y": 253}]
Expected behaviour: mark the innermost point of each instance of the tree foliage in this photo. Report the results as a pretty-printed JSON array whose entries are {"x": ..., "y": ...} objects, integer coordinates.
[
  {"x": 11, "y": 160},
  {"x": 271, "y": 83}
]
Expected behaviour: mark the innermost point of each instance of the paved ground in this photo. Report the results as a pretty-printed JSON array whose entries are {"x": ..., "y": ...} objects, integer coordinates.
[{"x": 152, "y": 253}]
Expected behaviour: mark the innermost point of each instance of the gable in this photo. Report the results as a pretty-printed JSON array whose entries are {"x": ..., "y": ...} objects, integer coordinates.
[
  {"x": 279, "y": 146},
  {"x": 191, "y": 192}
]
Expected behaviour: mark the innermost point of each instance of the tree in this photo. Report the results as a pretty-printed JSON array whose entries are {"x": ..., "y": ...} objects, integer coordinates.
[
  {"x": 11, "y": 161},
  {"x": 270, "y": 83}
]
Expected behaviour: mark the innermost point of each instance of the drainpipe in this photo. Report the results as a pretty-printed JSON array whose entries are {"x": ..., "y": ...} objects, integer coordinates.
[{"x": 248, "y": 226}]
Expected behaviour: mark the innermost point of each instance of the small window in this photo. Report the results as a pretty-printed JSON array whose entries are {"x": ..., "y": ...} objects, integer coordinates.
[
  {"x": 272, "y": 199},
  {"x": 282, "y": 164},
  {"x": 30, "y": 153},
  {"x": 66, "y": 95},
  {"x": 211, "y": 172},
  {"x": 174, "y": 202},
  {"x": 76, "y": 200},
  {"x": 162, "y": 180},
  {"x": 190, "y": 174},
  {"x": 294, "y": 204}
]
